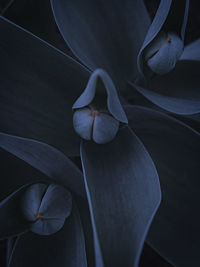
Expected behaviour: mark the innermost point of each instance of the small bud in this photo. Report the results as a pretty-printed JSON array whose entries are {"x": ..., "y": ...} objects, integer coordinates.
[
  {"x": 101, "y": 123},
  {"x": 46, "y": 208},
  {"x": 95, "y": 125},
  {"x": 163, "y": 52}
]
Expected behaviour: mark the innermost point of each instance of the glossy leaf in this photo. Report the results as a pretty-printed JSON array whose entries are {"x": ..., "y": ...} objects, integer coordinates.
[
  {"x": 83, "y": 208},
  {"x": 124, "y": 194},
  {"x": 104, "y": 34},
  {"x": 16, "y": 173},
  {"x": 177, "y": 92},
  {"x": 175, "y": 149},
  {"x": 38, "y": 85},
  {"x": 46, "y": 159},
  {"x": 35, "y": 16},
  {"x": 192, "y": 51},
  {"x": 4, "y": 5},
  {"x": 192, "y": 120},
  {"x": 11, "y": 243},
  {"x": 12, "y": 221},
  {"x": 170, "y": 20},
  {"x": 65, "y": 248}
]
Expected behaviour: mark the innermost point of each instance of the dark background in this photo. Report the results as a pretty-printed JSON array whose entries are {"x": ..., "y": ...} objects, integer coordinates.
[{"x": 30, "y": 15}]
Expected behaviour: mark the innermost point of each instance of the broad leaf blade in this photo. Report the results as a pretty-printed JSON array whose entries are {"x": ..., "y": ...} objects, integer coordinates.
[
  {"x": 124, "y": 194},
  {"x": 38, "y": 86},
  {"x": 175, "y": 149}
]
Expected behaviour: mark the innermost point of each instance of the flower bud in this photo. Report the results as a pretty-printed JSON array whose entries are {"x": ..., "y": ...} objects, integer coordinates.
[
  {"x": 46, "y": 207},
  {"x": 95, "y": 125},
  {"x": 98, "y": 111},
  {"x": 163, "y": 52},
  {"x": 164, "y": 41}
]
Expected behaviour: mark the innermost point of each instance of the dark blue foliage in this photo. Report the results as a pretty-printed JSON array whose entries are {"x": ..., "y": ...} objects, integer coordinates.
[
  {"x": 52, "y": 108},
  {"x": 178, "y": 91},
  {"x": 175, "y": 150},
  {"x": 39, "y": 104},
  {"x": 123, "y": 197},
  {"x": 65, "y": 248},
  {"x": 12, "y": 219},
  {"x": 104, "y": 34},
  {"x": 46, "y": 159},
  {"x": 45, "y": 209}
]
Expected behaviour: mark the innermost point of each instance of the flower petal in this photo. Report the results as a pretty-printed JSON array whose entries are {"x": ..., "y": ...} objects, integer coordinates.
[
  {"x": 175, "y": 149},
  {"x": 104, "y": 34},
  {"x": 123, "y": 193},
  {"x": 105, "y": 129},
  {"x": 46, "y": 159},
  {"x": 39, "y": 85},
  {"x": 177, "y": 92},
  {"x": 65, "y": 248}
]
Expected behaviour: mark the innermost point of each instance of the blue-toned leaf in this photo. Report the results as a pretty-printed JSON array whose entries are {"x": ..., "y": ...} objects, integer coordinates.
[
  {"x": 12, "y": 221},
  {"x": 46, "y": 208},
  {"x": 38, "y": 86},
  {"x": 192, "y": 51},
  {"x": 175, "y": 149},
  {"x": 178, "y": 91},
  {"x": 124, "y": 194},
  {"x": 12, "y": 167},
  {"x": 4, "y": 5},
  {"x": 192, "y": 120},
  {"x": 163, "y": 44},
  {"x": 11, "y": 242},
  {"x": 104, "y": 34},
  {"x": 84, "y": 212},
  {"x": 46, "y": 159},
  {"x": 35, "y": 16},
  {"x": 65, "y": 248}
]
